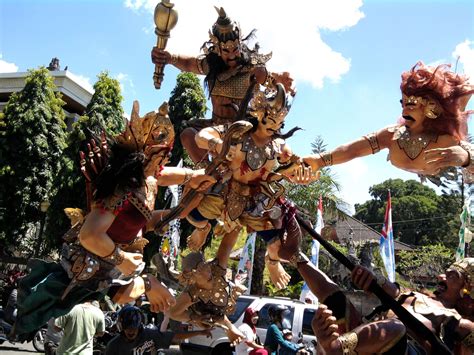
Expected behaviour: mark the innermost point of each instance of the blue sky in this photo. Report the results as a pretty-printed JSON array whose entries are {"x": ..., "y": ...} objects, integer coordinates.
[{"x": 346, "y": 56}]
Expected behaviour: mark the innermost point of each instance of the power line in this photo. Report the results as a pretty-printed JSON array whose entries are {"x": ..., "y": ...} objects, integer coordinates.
[{"x": 410, "y": 220}]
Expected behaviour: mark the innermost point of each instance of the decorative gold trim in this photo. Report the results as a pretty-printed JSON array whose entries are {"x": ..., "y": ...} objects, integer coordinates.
[
  {"x": 326, "y": 157},
  {"x": 348, "y": 343},
  {"x": 374, "y": 143}
]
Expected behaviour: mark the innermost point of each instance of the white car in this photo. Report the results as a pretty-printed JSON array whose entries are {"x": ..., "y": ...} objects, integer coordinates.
[{"x": 301, "y": 315}]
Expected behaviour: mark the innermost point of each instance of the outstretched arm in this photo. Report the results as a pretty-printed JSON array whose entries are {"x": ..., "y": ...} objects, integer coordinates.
[
  {"x": 182, "y": 62},
  {"x": 368, "y": 144},
  {"x": 178, "y": 176}
]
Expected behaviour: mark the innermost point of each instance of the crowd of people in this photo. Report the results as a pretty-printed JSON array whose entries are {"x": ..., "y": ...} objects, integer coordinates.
[{"x": 243, "y": 158}]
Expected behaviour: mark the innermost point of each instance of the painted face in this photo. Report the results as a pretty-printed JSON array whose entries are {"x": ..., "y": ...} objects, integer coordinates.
[
  {"x": 450, "y": 283},
  {"x": 413, "y": 111},
  {"x": 203, "y": 273},
  {"x": 130, "y": 333},
  {"x": 269, "y": 125},
  {"x": 230, "y": 53}
]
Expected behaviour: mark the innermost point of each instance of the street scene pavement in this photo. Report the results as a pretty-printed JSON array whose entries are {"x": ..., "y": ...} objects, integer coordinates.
[{"x": 17, "y": 348}]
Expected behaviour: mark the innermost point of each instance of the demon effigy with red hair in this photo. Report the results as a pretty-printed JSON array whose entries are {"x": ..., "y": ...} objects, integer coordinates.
[{"x": 431, "y": 133}]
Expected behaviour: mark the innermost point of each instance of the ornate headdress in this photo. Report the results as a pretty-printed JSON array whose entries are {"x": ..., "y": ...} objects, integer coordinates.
[
  {"x": 273, "y": 104},
  {"x": 224, "y": 33},
  {"x": 153, "y": 130},
  {"x": 443, "y": 93},
  {"x": 189, "y": 265},
  {"x": 466, "y": 268}
]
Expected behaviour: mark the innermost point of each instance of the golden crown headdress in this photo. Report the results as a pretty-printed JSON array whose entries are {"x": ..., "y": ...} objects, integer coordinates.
[
  {"x": 154, "y": 129},
  {"x": 273, "y": 104},
  {"x": 224, "y": 33}
]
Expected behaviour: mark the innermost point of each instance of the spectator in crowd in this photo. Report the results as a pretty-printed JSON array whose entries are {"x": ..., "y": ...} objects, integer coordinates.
[
  {"x": 274, "y": 342},
  {"x": 134, "y": 338},
  {"x": 251, "y": 344},
  {"x": 52, "y": 338},
  {"x": 80, "y": 325}
]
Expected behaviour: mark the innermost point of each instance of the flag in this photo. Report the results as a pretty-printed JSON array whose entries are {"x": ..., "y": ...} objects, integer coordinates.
[
  {"x": 244, "y": 270},
  {"x": 306, "y": 293},
  {"x": 464, "y": 232},
  {"x": 387, "y": 251}
]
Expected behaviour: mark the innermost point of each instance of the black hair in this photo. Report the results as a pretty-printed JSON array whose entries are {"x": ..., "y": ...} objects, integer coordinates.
[{"x": 124, "y": 170}]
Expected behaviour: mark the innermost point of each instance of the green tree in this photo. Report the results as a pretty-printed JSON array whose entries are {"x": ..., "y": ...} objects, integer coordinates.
[
  {"x": 32, "y": 142},
  {"x": 187, "y": 102},
  {"x": 104, "y": 113},
  {"x": 420, "y": 216},
  {"x": 422, "y": 266}
]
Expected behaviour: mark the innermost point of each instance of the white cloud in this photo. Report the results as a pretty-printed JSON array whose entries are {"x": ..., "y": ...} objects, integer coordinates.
[
  {"x": 6, "y": 67},
  {"x": 291, "y": 30},
  {"x": 82, "y": 80},
  {"x": 465, "y": 52},
  {"x": 125, "y": 82}
]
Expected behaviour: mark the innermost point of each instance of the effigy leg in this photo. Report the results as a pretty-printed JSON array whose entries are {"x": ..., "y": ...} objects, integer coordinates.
[
  {"x": 279, "y": 277},
  {"x": 189, "y": 143}
]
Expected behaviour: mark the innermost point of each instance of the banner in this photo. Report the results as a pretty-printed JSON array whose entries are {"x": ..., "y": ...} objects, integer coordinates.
[
  {"x": 244, "y": 270},
  {"x": 387, "y": 250},
  {"x": 306, "y": 295},
  {"x": 465, "y": 235}
]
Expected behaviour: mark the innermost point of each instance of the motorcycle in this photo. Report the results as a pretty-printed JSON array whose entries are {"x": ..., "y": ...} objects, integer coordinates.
[{"x": 6, "y": 327}]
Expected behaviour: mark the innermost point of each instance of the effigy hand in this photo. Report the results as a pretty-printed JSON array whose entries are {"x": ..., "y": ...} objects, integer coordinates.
[
  {"x": 362, "y": 277},
  {"x": 304, "y": 175},
  {"x": 160, "y": 298},
  {"x": 131, "y": 263},
  {"x": 325, "y": 328},
  {"x": 200, "y": 181},
  {"x": 439, "y": 158},
  {"x": 286, "y": 80},
  {"x": 160, "y": 56}
]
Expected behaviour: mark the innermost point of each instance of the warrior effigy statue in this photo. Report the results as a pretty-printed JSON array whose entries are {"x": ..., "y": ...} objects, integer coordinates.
[
  {"x": 103, "y": 251},
  {"x": 228, "y": 65},
  {"x": 432, "y": 132}
]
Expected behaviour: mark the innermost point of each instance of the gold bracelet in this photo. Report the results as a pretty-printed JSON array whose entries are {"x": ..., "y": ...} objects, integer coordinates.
[
  {"x": 348, "y": 343},
  {"x": 147, "y": 281},
  {"x": 326, "y": 157},
  {"x": 174, "y": 59},
  {"x": 116, "y": 257}
]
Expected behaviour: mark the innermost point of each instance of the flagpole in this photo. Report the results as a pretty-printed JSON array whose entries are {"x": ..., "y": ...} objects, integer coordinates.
[{"x": 404, "y": 315}]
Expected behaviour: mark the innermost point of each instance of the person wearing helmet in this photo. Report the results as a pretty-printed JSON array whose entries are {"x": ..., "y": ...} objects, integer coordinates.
[
  {"x": 274, "y": 342},
  {"x": 134, "y": 338}
]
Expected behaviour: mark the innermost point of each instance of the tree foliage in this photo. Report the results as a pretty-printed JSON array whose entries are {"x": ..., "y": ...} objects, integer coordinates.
[
  {"x": 32, "y": 142},
  {"x": 104, "y": 113},
  {"x": 187, "y": 102},
  {"x": 420, "y": 216},
  {"x": 422, "y": 267}
]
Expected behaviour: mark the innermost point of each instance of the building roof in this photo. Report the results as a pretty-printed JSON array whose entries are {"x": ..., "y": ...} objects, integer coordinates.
[
  {"x": 74, "y": 93},
  {"x": 362, "y": 233}
]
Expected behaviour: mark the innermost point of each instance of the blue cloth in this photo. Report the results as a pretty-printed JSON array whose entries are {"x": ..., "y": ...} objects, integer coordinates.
[{"x": 275, "y": 338}]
